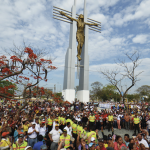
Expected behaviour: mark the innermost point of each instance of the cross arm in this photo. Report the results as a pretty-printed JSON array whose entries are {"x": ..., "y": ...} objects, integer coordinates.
[
  {"x": 91, "y": 24},
  {"x": 64, "y": 14}
]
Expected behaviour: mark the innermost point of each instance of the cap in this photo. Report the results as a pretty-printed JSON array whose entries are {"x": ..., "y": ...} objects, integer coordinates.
[
  {"x": 85, "y": 126},
  {"x": 109, "y": 138},
  {"x": 100, "y": 140},
  {"x": 43, "y": 147},
  {"x": 4, "y": 134},
  {"x": 20, "y": 135},
  {"x": 92, "y": 139},
  {"x": 91, "y": 144},
  {"x": 57, "y": 125},
  {"x": 64, "y": 130},
  {"x": 56, "y": 120},
  {"x": 43, "y": 121},
  {"x": 27, "y": 147},
  {"x": 33, "y": 123}
]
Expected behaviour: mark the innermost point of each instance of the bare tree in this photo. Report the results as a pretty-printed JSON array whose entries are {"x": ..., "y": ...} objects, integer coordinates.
[{"x": 125, "y": 71}]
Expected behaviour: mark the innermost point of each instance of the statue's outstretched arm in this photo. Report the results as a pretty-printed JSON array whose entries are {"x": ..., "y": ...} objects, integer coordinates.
[
  {"x": 92, "y": 24},
  {"x": 63, "y": 14}
]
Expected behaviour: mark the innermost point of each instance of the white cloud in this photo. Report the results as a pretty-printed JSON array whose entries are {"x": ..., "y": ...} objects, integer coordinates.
[
  {"x": 100, "y": 18},
  {"x": 133, "y": 12},
  {"x": 130, "y": 36},
  {"x": 142, "y": 38}
]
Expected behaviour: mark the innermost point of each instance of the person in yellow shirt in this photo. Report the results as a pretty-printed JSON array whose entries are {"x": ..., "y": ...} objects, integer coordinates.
[
  {"x": 74, "y": 129},
  {"x": 5, "y": 142},
  {"x": 20, "y": 144},
  {"x": 110, "y": 121},
  {"x": 79, "y": 127},
  {"x": 66, "y": 139},
  {"x": 136, "y": 122},
  {"x": 92, "y": 121},
  {"x": 92, "y": 136},
  {"x": 25, "y": 127}
]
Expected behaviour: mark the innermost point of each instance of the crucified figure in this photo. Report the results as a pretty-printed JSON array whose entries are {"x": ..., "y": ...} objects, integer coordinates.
[{"x": 80, "y": 31}]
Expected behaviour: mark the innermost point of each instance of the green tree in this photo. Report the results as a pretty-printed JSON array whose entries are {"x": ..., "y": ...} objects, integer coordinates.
[
  {"x": 59, "y": 94},
  {"x": 7, "y": 87},
  {"x": 96, "y": 90},
  {"x": 132, "y": 97},
  {"x": 110, "y": 88},
  {"x": 109, "y": 92},
  {"x": 143, "y": 90}
]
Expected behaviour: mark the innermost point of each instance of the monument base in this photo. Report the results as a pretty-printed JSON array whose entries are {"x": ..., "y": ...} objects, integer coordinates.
[
  {"x": 83, "y": 96},
  {"x": 68, "y": 95}
]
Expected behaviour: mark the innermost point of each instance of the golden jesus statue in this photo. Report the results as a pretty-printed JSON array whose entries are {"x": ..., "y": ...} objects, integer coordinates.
[{"x": 80, "y": 31}]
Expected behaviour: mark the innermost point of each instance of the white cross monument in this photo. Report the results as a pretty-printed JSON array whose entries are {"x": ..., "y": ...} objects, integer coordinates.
[{"x": 69, "y": 71}]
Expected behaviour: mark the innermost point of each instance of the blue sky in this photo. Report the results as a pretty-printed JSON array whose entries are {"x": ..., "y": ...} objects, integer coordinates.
[{"x": 125, "y": 28}]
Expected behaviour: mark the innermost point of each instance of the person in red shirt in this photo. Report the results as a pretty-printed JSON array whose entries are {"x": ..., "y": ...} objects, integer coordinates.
[
  {"x": 119, "y": 143},
  {"x": 66, "y": 108},
  {"x": 35, "y": 107},
  {"x": 104, "y": 119}
]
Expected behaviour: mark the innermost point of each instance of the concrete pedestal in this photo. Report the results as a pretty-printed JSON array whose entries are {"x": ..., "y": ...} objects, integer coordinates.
[
  {"x": 83, "y": 96},
  {"x": 69, "y": 95}
]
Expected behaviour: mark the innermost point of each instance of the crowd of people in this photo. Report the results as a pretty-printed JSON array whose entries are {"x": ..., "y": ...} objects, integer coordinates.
[{"x": 77, "y": 126}]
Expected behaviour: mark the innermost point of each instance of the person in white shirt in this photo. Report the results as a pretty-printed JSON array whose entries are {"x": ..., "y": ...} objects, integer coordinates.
[
  {"x": 118, "y": 120},
  {"x": 144, "y": 142},
  {"x": 37, "y": 125},
  {"x": 77, "y": 118},
  {"x": 32, "y": 132},
  {"x": 54, "y": 123},
  {"x": 42, "y": 130},
  {"x": 54, "y": 136},
  {"x": 148, "y": 126},
  {"x": 69, "y": 129}
]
